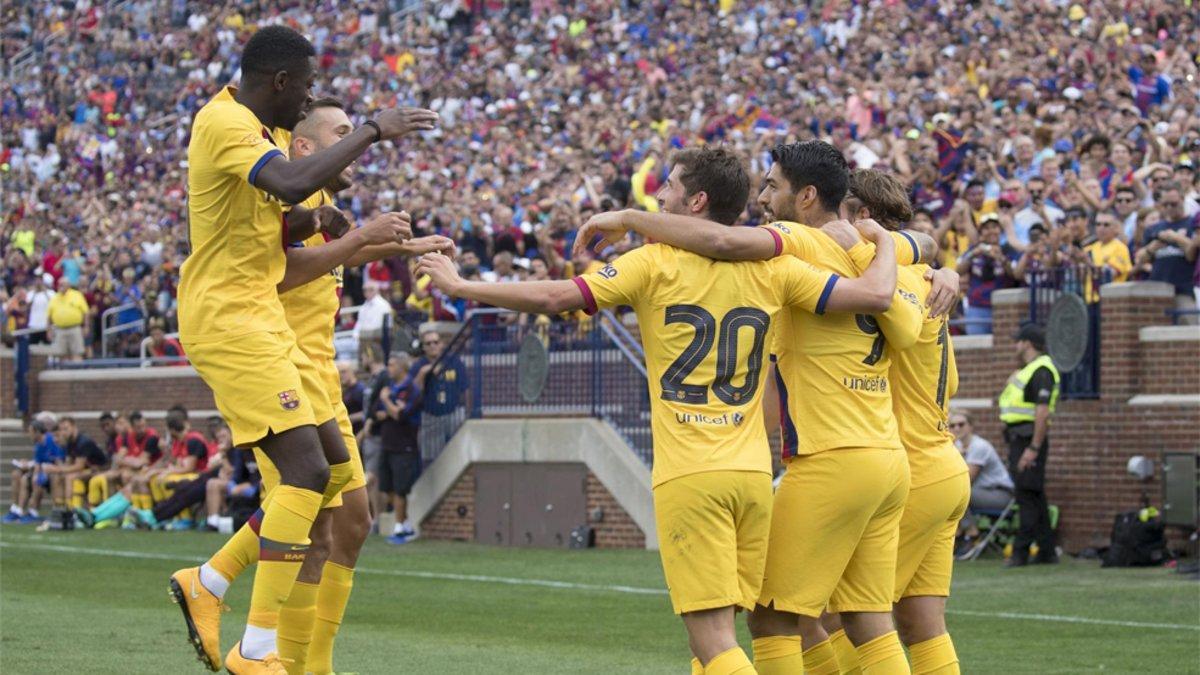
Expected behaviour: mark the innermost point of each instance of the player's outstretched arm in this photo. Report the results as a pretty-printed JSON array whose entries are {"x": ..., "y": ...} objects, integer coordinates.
[
  {"x": 538, "y": 297},
  {"x": 311, "y": 262},
  {"x": 704, "y": 237},
  {"x": 872, "y": 292},
  {"x": 434, "y": 243},
  {"x": 303, "y": 223},
  {"x": 293, "y": 181}
]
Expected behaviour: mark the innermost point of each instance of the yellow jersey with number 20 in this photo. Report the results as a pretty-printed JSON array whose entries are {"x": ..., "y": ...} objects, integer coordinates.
[
  {"x": 227, "y": 284},
  {"x": 705, "y": 325}
]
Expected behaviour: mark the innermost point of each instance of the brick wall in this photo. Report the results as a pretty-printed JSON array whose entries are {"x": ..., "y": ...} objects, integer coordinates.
[{"x": 454, "y": 516}]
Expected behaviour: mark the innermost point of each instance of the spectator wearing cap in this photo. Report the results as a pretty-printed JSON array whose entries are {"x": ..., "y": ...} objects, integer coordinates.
[
  {"x": 39, "y": 306},
  {"x": 1108, "y": 251},
  {"x": 68, "y": 310},
  {"x": 1166, "y": 247},
  {"x": 1027, "y": 404},
  {"x": 988, "y": 267}
]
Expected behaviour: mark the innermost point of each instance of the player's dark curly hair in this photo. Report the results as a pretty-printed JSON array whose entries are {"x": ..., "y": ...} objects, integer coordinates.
[
  {"x": 273, "y": 49},
  {"x": 718, "y": 173},
  {"x": 814, "y": 163}
]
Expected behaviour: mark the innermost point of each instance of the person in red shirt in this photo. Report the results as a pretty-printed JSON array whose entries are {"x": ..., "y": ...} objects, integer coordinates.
[{"x": 165, "y": 350}]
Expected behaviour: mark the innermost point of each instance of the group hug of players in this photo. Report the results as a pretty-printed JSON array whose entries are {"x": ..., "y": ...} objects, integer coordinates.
[{"x": 842, "y": 323}]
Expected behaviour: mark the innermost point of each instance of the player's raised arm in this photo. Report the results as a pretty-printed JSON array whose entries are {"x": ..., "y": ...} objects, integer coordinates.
[
  {"x": 704, "y": 237},
  {"x": 293, "y": 181},
  {"x": 433, "y": 243},
  {"x": 873, "y": 291},
  {"x": 307, "y": 263},
  {"x": 537, "y": 297}
]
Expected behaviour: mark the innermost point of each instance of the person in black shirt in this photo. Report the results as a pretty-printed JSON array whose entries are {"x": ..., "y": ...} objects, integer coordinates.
[
  {"x": 84, "y": 460},
  {"x": 399, "y": 419},
  {"x": 354, "y": 394}
]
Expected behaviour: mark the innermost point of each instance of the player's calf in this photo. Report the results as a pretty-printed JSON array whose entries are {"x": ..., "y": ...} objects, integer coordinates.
[{"x": 920, "y": 618}]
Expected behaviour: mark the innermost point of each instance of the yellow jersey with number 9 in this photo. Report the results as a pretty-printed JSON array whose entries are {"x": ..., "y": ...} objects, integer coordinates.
[
  {"x": 705, "y": 325},
  {"x": 924, "y": 377},
  {"x": 832, "y": 370},
  {"x": 227, "y": 284},
  {"x": 311, "y": 309}
]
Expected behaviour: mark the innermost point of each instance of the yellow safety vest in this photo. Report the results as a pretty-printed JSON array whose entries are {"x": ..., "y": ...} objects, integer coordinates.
[{"x": 1014, "y": 409}]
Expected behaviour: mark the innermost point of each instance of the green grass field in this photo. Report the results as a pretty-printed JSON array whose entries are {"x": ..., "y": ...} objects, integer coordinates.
[{"x": 96, "y": 602}]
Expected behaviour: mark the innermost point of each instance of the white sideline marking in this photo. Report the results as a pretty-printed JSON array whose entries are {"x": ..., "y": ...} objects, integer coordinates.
[{"x": 569, "y": 585}]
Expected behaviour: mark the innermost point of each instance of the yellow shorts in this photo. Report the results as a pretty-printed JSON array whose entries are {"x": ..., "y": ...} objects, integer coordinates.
[
  {"x": 925, "y": 557},
  {"x": 332, "y": 381},
  {"x": 262, "y": 384},
  {"x": 712, "y": 537},
  {"x": 835, "y": 532},
  {"x": 358, "y": 478}
]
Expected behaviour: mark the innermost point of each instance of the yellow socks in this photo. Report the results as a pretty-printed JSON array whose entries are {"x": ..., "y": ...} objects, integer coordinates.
[
  {"x": 157, "y": 492},
  {"x": 296, "y": 619},
  {"x": 847, "y": 655},
  {"x": 778, "y": 655},
  {"x": 697, "y": 669},
  {"x": 339, "y": 475},
  {"x": 336, "y": 584},
  {"x": 883, "y": 656},
  {"x": 238, "y": 553},
  {"x": 730, "y": 662},
  {"x": 821, "y": 660},
  {"x": 935, "y": 656},
  {"x": 282, "y": 547},
  {"x": 97, "y": 490},
  {"x": 78, "y": 491}
]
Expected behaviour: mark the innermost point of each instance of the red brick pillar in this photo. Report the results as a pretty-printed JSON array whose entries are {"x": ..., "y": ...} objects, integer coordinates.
[{"x": 1125, "y": 308}]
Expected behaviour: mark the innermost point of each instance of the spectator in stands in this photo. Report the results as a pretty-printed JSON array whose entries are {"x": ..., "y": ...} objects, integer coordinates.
[
  {"x": 1125, "y": 206},
  {"x": 84, "y": 459},
  {"x": 374, "y": 312},
  {"x": 1108, "y": 251},
  {"x": 68, "y": 310},
  {"x": 165, "y": 350},
  {"x": 39, "y": 306},
  {"x": 399, "y": 418},
  {"x": 30, "y": 478},
  {"x": 1165, "y": 249},
  {"x": 354, "y": 394},
  {"x": 1037, "y": 209},
  {"x": 988, "y": 267},
  {"x": 991, "y": 486},
  {"x": 443, "y": 389},
  {"x": 370, "y": 444}
]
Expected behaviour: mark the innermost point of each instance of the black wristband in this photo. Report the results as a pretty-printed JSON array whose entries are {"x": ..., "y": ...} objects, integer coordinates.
[{"x": 378, "y": 132}]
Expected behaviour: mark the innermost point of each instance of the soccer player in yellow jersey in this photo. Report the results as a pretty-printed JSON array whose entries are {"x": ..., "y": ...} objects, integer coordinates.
[
  {"x": 924, "y": 377},
  {"x": 847, "y": 477},
  {"x": 706, "y": 326},
  {"x": 311, "y": 292},
  {"x": 234, "y": 328}
]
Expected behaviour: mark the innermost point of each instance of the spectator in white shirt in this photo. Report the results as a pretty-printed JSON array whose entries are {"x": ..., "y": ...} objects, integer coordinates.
[
  {"x": 369, "y": 327},
  {"x": 991, "y": 486},
  {"x": 39, "y": 305}
]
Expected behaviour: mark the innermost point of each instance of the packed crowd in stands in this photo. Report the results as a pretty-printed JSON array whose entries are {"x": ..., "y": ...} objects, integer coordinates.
[{"x": 1077, "y": 149}]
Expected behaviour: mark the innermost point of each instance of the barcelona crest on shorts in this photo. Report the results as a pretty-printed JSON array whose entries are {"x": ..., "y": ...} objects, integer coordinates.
[{"x": 289, "y": 399}]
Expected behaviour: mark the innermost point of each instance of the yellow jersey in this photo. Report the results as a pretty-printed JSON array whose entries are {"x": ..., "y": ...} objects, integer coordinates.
[
  {"x": 227, "y": 284},
  {"x": 1114, "y": 254},
  {"x": 67, "y": 309},
  {"x": 705, "y": 326},
  {"x": 311, "y": 310},
  {"x": 924, "y": 378},
  {"x": 832, "y": 370}
]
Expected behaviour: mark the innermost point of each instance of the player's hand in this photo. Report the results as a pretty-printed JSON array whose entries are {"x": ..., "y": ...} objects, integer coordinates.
[
  {"x": 871, "y": 230},
  {"x": 398, "y": 122},
  {"x": 441, "y": 270},
  {"x": 944, "y": 294},
  {"x": 434, "y": 243},
  {"x": 842, "y": 232},
  {"x": 331, "y": 221},
  {"x": 610, "y": 226},
  {"x": 387, "y": 228}
]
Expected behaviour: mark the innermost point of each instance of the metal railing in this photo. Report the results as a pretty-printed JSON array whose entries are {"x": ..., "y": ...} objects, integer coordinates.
[
  {"x": 147, "y": 361},
  {"x": 1177, "y": 315},
  {"x": 591, "y": 370},
  {"x": 21, "y": 368},
  {"x": 1084, "y": 281},
  {"x": 107, "y": 330}
]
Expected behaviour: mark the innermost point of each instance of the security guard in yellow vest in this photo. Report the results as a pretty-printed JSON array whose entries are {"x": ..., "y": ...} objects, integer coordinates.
[{"x": 1026, "y": 405}]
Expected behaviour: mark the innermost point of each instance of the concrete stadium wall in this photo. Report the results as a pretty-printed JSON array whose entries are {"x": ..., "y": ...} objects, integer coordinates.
[{"x": 1149, "y": 405}]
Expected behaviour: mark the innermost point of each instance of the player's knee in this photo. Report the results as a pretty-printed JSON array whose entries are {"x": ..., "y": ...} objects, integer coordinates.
[{"x": 767, "y": 622}]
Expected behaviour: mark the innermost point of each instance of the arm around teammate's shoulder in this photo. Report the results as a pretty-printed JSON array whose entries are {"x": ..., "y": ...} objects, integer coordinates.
[
  {"x": 873, "y": 291},
  {"x": 705, "y": 237},
  {"x": 537, "y": 297}
]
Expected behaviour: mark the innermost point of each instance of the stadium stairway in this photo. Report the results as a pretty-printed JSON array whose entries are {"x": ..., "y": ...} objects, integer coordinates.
[{"x": 14, "y": 444}]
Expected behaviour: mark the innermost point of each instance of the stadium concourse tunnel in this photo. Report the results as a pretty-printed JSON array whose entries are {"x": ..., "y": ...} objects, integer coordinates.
[{"x": 555, "y": 451}]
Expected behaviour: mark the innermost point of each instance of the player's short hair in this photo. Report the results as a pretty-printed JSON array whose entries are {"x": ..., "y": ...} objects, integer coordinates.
[
  {"x": 814, "y": 163},
  {"x": 134, "y": 416},
  {"x": 106, "y": 416},
  {"x": 275, "y": 48},
  {"x": 883, "y": 195},
  {"x": 177, "y": 419},
  {"x": 718, "y": 173}
]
